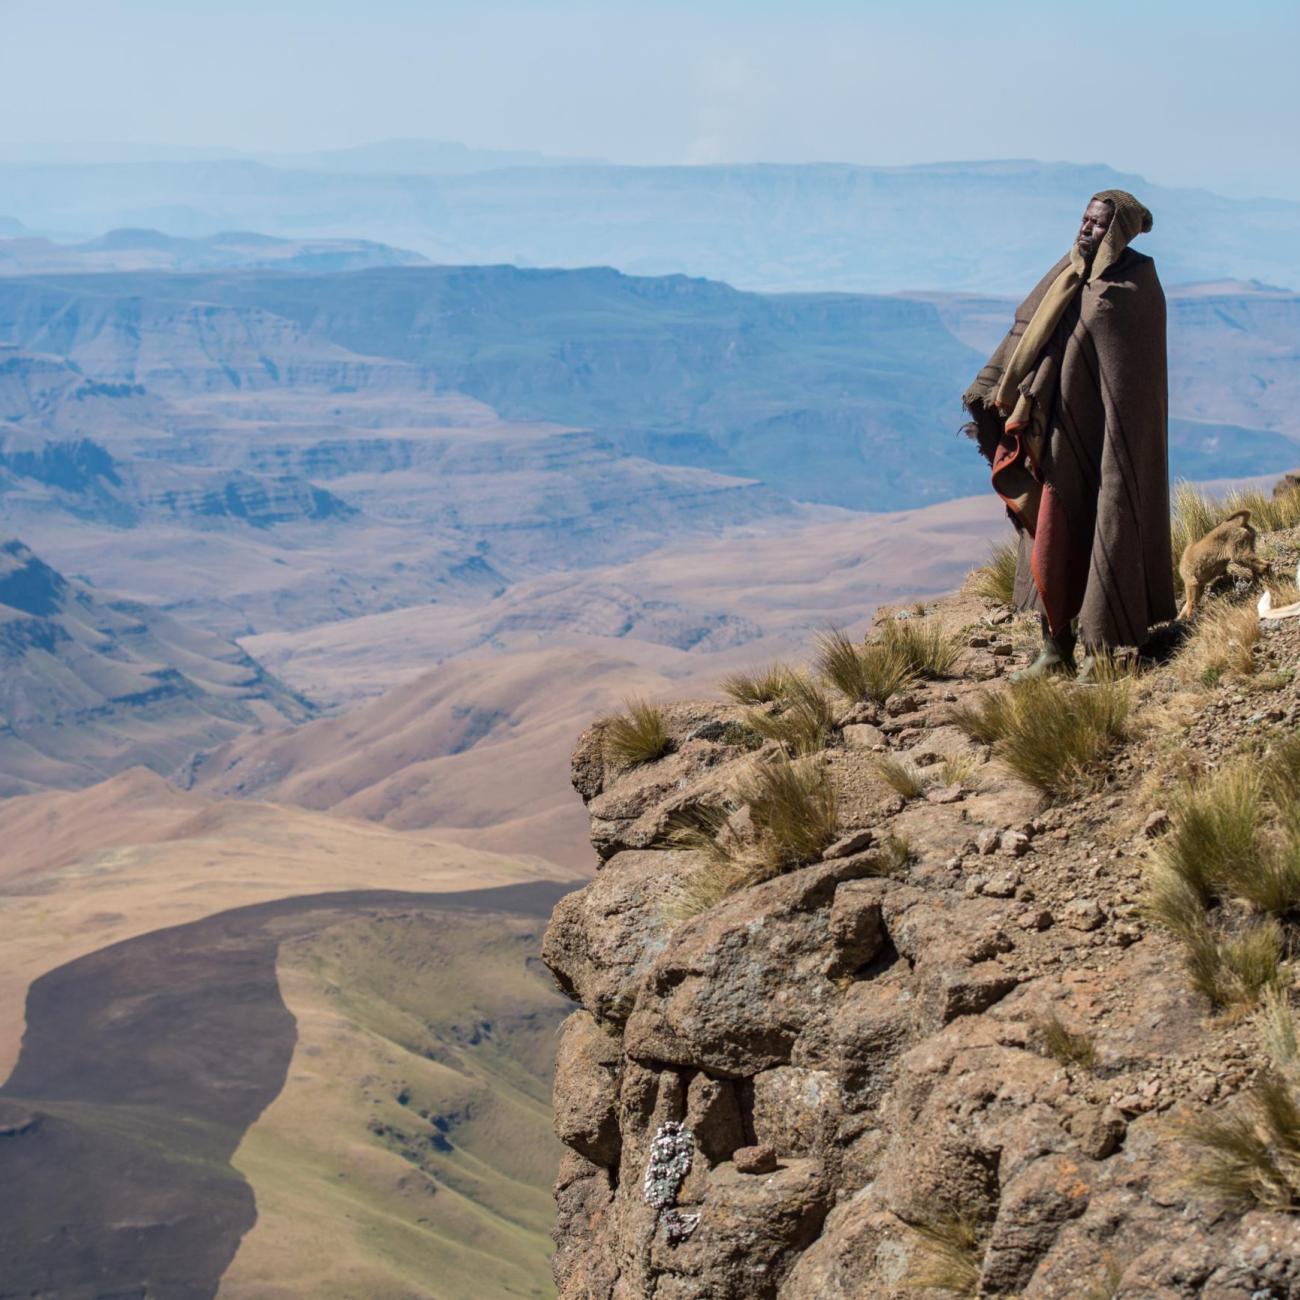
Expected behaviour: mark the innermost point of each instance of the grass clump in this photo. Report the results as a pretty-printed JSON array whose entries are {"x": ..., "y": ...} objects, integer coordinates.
[
  {"x": 996, "y": 580},
  {"x": 637, "y": 735},
  {"x": 903, "y": 778},
  {"x": 762, "y": 686},
  {"x": 947, "y": 1255},
  {"x": 1236, "y": 833},
  {"x": 893, "y": 855},
  {"x": 1268, "y": 513},
  {"x": 1281, "y": 775},
  {"x": 1227, "y": 875},
  {"x": 1213, "y": 839},
  {"x": 1221, "y": 645},
  {"x": 1049, "y": 731},
  {"x": 1251, "y": 1157},
  {"x": 872, "y": 672},
  {"x": 803, "y": 717},
  {"x": 985, "y": 718},
  {"x": 923, "y": 645},
  {"x": 1063, "y": 1044},
  {"x": 961, "y": 769},
  {"x": 793, "y": 815},
  {"x": 1237, "y": 969},
  {"x": 793, "y": 808}
]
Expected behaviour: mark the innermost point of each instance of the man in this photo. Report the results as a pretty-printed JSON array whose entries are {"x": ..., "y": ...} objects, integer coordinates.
[{"x": 1071, "y": 413}]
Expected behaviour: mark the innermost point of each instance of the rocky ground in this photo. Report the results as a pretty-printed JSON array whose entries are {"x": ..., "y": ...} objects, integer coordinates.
[{"x": 799, "y": 1091}]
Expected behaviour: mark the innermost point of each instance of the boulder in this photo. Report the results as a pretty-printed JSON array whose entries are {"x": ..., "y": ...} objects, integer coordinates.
[
  {"x": 756, "y": 1160},
  {"x": 603, "y": 937},
  {"x": 796, "y": 1110},
  {"x": 1031, "y": 1211},
  {"x": 860, "y": 1253},
  {"x": 733, "y": 987},
  {"x": 583, "y": 1194},
  {"x": 586, "y": 1089},
  {"x": 751, "y": 1231}
]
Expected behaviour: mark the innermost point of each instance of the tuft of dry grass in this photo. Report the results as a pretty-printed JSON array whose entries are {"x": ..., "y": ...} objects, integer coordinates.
[
  {"x": 1281, "y": 774},
  {"x": 1236, "y": 970},
  {"x": 1063, "y": 1044},
  {"x": 1234, "y": 844},
  {"x": 803, "y": 718},
  {"x": 904, "y": 778},
  {"x": 961, "y": 769},
  {"x": 637, "y": 735},
  {"x": 893, "y": 855},
  {"x": 1235, "y": 834},
  {"x": 1051, "y": 732},
  {"x": 996, "y": 580},
  {"x": 923, "y": 644},
  {"x": 1231, "y": 968},
  {"x": 1251, "y": 1157},
  {"x": 1214, "y": 837},
  {"x": 985, "y": 717},
  {"x": 1222, "y": 644},
  {"x": 717, "y": 877},
  {"x": 794, "y": 810},
  {"x": 947, "y": 1255},
  {"x": 871, "y": 672},
  {"x": 1277, "y": 1028},
  {"x": 1268, "y": 513},
  {"x": 762, "y": 686},
  {"x": 794, "y": 814}
]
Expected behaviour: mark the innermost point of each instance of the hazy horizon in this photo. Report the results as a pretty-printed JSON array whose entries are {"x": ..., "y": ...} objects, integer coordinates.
[{"x": 1182, "y": 95}]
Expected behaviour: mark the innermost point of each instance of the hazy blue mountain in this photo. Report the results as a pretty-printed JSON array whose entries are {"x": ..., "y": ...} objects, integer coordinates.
[
  {"x": 141, "y": 249},
  {"x": 406, "y": 155},
  {"x": 987, "y": 227},
  {"x": 848, "y": 400}
]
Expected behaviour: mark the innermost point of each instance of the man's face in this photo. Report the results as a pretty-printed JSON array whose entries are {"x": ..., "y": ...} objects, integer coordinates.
[{"x": 1093, "y": 227}]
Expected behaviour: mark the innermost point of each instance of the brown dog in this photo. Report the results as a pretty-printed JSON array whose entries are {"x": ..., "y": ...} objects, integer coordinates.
[{"x": 1208, "y": 558}]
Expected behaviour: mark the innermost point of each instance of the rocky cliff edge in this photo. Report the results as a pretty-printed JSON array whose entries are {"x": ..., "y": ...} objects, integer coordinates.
[{"x": 962, "y": 1073}]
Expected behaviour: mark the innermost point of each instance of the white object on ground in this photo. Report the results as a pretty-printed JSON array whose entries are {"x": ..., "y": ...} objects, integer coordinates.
[{"x": 1292, "y": 610}]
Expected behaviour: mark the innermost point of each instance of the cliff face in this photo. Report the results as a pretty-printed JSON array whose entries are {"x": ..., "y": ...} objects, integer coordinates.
[{"x": 963, "y": 1072}]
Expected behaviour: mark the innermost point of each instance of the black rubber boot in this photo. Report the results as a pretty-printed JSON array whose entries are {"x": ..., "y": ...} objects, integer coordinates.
[{"x": 1056, "y": 656}]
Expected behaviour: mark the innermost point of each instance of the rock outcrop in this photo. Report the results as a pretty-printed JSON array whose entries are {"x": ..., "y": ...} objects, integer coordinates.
[{"x": 857, "y": 1050}]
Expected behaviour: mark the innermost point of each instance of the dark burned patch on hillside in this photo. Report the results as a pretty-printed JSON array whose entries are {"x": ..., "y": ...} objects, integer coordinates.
[{"x": 142, "y": 1067}]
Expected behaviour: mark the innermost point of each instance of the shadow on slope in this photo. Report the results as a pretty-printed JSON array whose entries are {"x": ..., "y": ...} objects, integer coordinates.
[{"x": 142, "y": 1066}]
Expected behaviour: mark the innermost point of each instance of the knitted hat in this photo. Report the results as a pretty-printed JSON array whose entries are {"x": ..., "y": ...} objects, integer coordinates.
[{"x": 1130, "y": 219}]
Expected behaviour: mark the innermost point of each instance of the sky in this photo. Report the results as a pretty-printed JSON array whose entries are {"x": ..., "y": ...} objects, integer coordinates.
[{"x": 1186, "y": 93}]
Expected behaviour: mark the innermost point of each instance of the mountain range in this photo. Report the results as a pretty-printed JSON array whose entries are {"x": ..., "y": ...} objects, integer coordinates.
[
  {"x": 143, "y": 250},
  {"x": 328, "y": 553},
  {"x": 976, "y": 226}
]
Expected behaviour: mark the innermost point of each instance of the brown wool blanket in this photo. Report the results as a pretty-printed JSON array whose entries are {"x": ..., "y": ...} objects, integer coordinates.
[{"x": 1074, "y": 424}]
